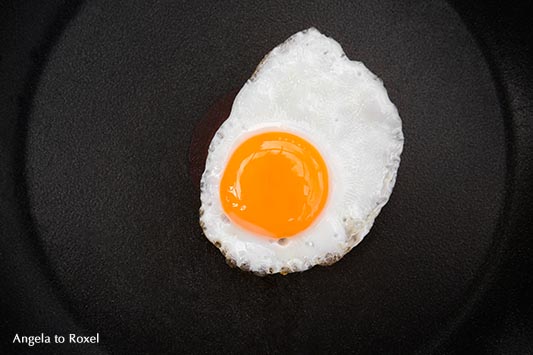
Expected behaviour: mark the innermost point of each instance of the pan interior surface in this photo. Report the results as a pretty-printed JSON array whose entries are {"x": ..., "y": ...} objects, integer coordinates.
[{"x": 117, "y": 214}]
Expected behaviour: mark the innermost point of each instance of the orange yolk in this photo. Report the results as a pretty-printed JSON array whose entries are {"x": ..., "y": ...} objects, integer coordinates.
[{"x": 275, "y": 184}]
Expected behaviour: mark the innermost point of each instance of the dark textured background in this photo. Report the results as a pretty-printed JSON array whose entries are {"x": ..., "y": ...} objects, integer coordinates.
[{"x": 99, "y": 216}]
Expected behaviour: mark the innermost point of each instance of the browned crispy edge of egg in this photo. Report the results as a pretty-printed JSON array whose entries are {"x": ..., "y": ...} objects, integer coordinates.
[{"x": 328, "y": 260}]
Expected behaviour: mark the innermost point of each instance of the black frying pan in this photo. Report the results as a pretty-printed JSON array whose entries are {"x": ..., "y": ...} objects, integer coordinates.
[{"x": 99, "y": 207}]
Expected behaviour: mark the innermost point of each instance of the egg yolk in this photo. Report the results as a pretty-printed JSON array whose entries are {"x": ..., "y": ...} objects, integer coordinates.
[{"x": 275, "y": 184}]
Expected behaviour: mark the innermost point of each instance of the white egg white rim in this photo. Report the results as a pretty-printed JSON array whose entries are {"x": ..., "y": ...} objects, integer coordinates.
[{"x": 247, "y": 250}]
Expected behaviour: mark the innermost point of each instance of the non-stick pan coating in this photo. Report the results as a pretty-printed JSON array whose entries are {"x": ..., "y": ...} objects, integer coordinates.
[{"x": 109, "y": 214}]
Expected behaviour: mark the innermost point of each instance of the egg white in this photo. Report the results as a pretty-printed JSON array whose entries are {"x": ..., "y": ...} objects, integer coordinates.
[{"x": 307, "y": 86}]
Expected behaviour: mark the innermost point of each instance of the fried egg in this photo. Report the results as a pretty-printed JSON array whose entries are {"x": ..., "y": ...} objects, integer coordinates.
[{"x": 305, "y": 161}]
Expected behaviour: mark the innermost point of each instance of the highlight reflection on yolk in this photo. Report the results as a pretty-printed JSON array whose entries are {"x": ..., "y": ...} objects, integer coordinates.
[{"x": 275, "y": 184}]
